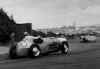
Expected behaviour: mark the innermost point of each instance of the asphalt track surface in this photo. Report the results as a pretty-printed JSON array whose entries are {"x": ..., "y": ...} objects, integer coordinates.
[{"x": 83, "y": 56}]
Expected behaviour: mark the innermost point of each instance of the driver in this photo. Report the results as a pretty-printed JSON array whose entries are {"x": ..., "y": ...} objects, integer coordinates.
[{"x": 27, "y": 41}]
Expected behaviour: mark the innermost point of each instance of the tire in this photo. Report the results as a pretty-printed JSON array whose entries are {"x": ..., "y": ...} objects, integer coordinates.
[
  {"x": 65, "y": 48},
  {"x": 34, "y": 51},
  {"x": 12, "y": 52}
]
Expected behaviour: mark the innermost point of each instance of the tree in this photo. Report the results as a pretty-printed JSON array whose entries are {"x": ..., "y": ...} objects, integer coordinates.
[{"x": 5, "y": 25}]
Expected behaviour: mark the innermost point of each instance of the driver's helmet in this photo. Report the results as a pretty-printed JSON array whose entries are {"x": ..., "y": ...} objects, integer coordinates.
[{"x": 26, "y": 33}]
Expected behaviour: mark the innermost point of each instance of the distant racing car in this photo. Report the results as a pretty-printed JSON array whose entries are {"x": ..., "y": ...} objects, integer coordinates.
[
  {"x": 88, "y": 38},
  {"x": 36, "y": 46}
]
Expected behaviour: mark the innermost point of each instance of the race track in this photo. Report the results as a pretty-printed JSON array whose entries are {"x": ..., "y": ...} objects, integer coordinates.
[{"x": 84, "y": 56}]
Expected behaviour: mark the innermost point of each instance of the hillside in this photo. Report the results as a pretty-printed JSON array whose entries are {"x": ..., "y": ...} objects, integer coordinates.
[{"x": 70, "y": 29}]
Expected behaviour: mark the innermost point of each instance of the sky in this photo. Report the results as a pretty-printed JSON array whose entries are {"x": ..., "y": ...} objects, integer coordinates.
[{"x": 53, "y": 13}]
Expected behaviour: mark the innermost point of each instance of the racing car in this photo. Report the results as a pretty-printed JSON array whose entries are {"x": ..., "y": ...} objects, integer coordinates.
[
  {"x": 35, "y": 46},
  {"x": 88, "y": 38}
]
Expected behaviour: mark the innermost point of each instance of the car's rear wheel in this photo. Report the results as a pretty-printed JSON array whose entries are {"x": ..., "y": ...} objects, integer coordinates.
[
  {"x": 12, "y": 52},
  {"x": 34, "y": 51}
]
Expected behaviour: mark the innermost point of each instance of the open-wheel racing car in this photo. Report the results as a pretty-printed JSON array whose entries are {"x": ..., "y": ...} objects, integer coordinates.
[{"x": 36, "y": 46}]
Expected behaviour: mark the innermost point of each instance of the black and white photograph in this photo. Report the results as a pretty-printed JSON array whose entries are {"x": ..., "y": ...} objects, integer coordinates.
[{"x": 49, "y": 34}]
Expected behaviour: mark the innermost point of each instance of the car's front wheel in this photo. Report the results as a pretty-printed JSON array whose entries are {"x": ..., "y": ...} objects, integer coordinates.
[
  {"x": 34, "y": 51},
  {"x": 65, "y": 48}
]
